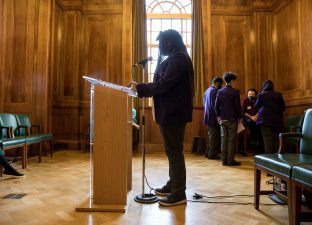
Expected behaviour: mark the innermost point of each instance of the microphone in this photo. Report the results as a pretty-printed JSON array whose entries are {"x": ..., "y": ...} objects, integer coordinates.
[{"x": 143, "y": 61}]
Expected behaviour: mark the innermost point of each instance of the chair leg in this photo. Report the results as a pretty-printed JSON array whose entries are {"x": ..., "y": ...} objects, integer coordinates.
[
  {"x": 296, "y": 204},
  {"x": 245, "y": 141},
  {"x": 1, "y": 170},
  {"x": 25, "y": 156},
  {"x": 290, "y": 201},
  {"x": 40, "y": 153},
  {"x": 257, "y": 182},
  {"x": 51, "y": 148}
]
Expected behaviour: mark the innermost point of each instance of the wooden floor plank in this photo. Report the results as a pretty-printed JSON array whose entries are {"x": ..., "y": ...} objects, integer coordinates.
[{"x": 57, "y": 186}]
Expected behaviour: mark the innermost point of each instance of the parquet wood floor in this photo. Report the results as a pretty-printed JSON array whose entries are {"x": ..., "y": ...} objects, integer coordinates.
[{"x": 55, "y": 187}]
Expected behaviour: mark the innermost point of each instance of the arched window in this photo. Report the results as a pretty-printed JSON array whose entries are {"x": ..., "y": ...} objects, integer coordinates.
[{"x": 167, "y": 14}]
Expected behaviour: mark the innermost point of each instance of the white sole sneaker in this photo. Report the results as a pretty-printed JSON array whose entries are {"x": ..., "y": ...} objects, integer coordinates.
[{"x": 184, "y": 201}]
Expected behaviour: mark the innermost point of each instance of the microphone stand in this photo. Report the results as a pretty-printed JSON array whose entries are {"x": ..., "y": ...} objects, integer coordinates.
[{"x": 144, "y": 198}]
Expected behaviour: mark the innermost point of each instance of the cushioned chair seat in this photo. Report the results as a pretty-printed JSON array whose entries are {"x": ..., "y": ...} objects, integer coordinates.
[
  {"x": 7, "y": 142},
  {"x": 45, "y": 137},
  {"x": 303, "y": 174},
  {"x": 282, "y": 163},
  {"x": 33, "y": 139}
]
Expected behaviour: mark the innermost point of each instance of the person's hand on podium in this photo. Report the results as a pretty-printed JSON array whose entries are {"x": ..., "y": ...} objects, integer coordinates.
[
  {"x": 136, "y": 126},
  {"x": 132, "y": 85}
]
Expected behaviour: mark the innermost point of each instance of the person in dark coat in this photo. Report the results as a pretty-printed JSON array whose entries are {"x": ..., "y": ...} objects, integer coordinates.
[
  {"x": 228, "y": 111},
  {"x": 210, "y": 119},
  {"x": 270, "y": 106},
  {"x": 172, "y": 91},
  {"x": 8, "y": 169}
]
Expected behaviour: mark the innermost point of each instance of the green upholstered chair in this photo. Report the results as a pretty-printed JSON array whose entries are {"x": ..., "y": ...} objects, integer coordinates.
[
  {"x": 281, "y": 165},
  {"x": 301, "y": 180},
  {"x": 7, "y": 138},
  {"x": 294, "y": 124},
  {"x": 32, "y": 135}
]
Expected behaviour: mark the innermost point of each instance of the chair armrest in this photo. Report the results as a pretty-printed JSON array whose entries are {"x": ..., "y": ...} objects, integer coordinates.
[
  {"x": 294, "y": 128},
  {"x": 27, "y": 131},
  {"x": 35, "y": 126},
  {"x": 290, "y": 134},
  {"x": 7, "y": 129},
  {"x": 283, "y": 137}
]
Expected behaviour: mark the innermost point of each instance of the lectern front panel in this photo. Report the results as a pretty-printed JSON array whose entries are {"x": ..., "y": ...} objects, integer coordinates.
[{"x": 110, "y": 150}]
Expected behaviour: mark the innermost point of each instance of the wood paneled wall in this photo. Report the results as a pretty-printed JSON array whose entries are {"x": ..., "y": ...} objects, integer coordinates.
[
  {"x": 88, "y": 39},
  {"x": 24, "y": 58},
  {"x": 46, "y": 46}
]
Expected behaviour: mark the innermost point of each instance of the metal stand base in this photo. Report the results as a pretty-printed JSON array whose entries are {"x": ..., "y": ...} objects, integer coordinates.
[{"x": 146, "y": 198}]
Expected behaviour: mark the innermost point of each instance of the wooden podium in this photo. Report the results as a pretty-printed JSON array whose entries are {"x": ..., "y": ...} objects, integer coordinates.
[{"x": 110, "y": 148}]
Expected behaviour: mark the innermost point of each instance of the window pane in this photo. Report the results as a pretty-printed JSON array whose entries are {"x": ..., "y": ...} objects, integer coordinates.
[
  {"x": 188, "y": 38},
  {"x": 166, "y": 24},
  {"x": 148, "y": 25},
  {"x": 157, "y": 9},
  {"x": 176, "y": 24},
  {"x": 154, "y": 26},
  {"x": 154, "y": 53},
  {"x": 154, "y": 36},
  {"x": 188, "y": 9}
]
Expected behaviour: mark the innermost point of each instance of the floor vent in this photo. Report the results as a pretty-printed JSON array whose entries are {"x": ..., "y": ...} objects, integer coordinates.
[{"x": 14, "y": 196}]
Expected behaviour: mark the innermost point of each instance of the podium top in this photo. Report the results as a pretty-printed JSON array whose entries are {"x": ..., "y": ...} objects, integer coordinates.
[{"x": 128, "y": 90}]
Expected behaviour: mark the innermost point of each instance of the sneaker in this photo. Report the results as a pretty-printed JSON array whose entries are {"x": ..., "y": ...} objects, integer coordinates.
[
  {"x": 164, "y": 191},
  {"x": 233, "y": 163},
  {"x": 172, "y": 200}
]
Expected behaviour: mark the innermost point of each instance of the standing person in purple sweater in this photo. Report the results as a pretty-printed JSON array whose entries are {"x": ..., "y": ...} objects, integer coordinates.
[
  {"x": 270, "y": 106},
  {"x": 228, "y": 111},
  {"x": 173, "y": 92},
  {"x": 210, "y": 119}
]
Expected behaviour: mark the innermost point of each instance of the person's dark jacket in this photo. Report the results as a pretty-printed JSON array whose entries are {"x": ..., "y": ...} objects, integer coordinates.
[
  {"x": 209, "y": 100},
  {"x": 171, "y": 89},
  {"x": 227, "y": 104},
  {"x": 270, "y": 106}
]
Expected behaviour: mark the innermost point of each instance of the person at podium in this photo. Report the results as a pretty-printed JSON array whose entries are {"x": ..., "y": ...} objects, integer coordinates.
[{"x": 172, "y": 90}]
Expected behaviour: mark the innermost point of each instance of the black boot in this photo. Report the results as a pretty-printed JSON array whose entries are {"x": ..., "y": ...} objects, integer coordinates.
[{"x": 8, "y": 169}]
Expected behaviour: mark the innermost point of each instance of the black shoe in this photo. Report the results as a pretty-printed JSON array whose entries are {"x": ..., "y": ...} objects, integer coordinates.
[
  {"x": 172, "y": 200},
  {"x": 164, "y": 191},
  {"x": 214, "y": 157},
  {"x": 224, "y": 163},
  {"x": 13, "y": 173},
  {"x": 233, "y": 163}
]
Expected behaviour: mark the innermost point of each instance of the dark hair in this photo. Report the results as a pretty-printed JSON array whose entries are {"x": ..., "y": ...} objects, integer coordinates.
[
  {"x": 254, "y": 90},
  {"x": 217, "y": 80},
  {"x": 229, "y": 76},
  {"x": 175, "y": 38},
  {"x": 268, "y": 85}
]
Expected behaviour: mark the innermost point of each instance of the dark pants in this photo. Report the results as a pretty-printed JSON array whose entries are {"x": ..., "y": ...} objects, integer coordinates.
[
  {"x": 228, "y": 140},
  {"x": 173, "y": 136},
  {"x": 214, "y": 136},
  {"x": 270, "y": 135},
  {"x": 255, "y": 132}
]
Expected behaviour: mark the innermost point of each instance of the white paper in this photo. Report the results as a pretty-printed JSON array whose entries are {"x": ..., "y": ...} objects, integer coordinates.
[{"x": 240, "y": 126}]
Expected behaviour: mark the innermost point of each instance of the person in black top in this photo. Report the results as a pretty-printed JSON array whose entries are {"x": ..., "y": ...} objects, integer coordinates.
[{"x": 172, "y": 90}]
